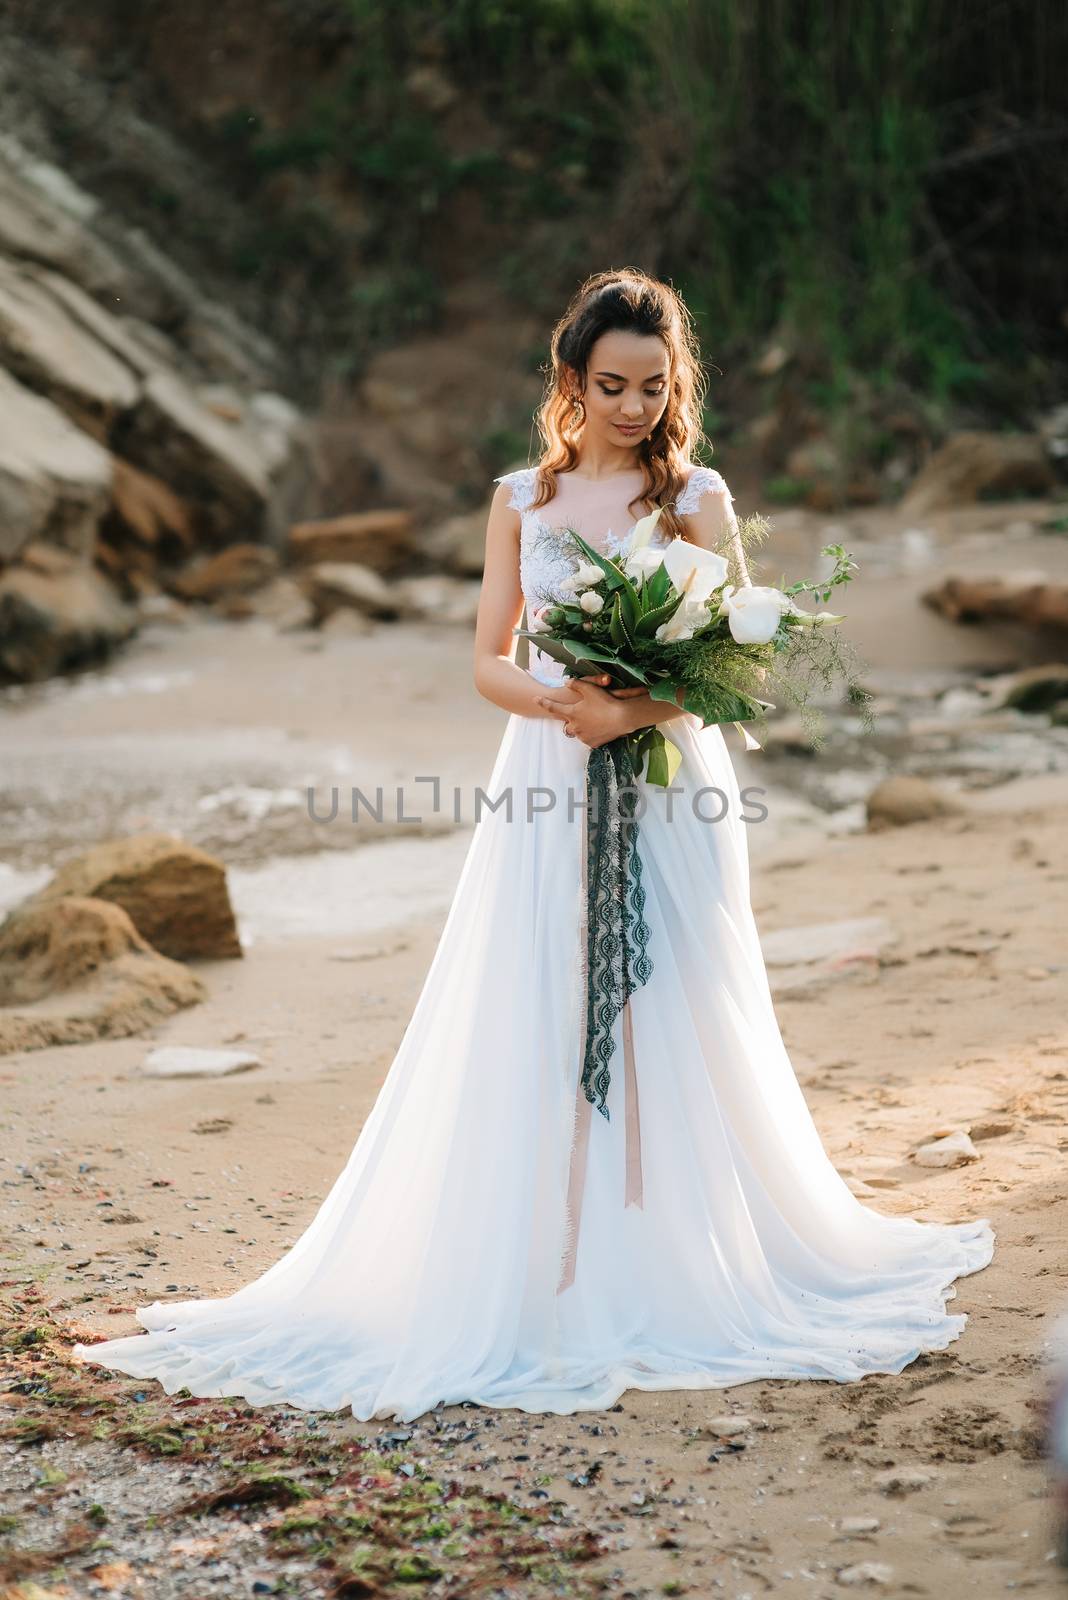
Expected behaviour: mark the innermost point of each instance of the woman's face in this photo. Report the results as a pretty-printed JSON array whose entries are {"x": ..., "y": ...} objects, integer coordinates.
[{"x": 626, "y": 387}]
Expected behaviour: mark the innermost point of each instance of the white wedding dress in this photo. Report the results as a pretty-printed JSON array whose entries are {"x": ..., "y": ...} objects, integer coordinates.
[{"x": 489, "y": 1240}]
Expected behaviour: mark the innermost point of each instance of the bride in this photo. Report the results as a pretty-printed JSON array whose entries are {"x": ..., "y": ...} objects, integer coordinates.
[{"x": 490, "y": 1239}]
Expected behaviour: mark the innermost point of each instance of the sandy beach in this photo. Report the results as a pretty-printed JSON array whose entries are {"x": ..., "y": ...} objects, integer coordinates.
[{"x": 948, "y": 1010}]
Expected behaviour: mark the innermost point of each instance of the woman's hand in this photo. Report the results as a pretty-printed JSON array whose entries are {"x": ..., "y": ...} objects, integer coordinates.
[{"x": 589, "y": 710}]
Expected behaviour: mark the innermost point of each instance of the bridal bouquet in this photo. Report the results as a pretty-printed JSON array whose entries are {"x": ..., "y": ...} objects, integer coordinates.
[{"x": 668, "y": 620}]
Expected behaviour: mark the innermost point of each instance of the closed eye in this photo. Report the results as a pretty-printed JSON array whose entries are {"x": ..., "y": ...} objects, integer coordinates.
[{"x": 651, "y": 392}]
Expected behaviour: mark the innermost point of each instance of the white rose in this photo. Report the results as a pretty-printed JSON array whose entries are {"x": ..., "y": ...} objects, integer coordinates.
[
  {"x": 753, "y": 612},
  {"x": 591, "y": 602},
  {"x": 693, "y": 569}
]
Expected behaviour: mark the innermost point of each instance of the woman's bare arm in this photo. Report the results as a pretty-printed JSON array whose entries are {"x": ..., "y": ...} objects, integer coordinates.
[{"x": 500, "y": 606}]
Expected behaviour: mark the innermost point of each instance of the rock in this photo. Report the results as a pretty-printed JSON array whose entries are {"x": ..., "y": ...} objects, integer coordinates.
[
  {"x": 123, "y": 337},
  {"x": 974, "y": 465},
  {"x": 186, "y": 1061},
  {"x": 436, "y": 597},
  {"x": 34, "y": 228},
  {"x": 378, "y": 540},
  {"x": 55, "y": 482},
  {"x": 75, "y": 969},
  {"x": 151, "y": 511},
  {"x": 336, "y": 585},
  {"x": 1034, "y": 688},
  {"x": 459, "y": 543},
  {"x": 902, "y": 1480},
  {"x": 53, "y": 621},
  {"x": 1029, "y": 599},
  {"x": 175, "y": 895},
  {"x": 900, "y": 800},
  {"x": 238, "y": 569},
  {"x": 951, "y": 1151},
  {"x": 990, "y": 1130},
  {"x": 283, "y": 602},
  {"x": 857, "y": 1527},
  {"x": 173, "y": 435},
  {"x": 347, "y": 625},
  {"x": 728, "y": 1427},
  {"x": 827, "y": 942},
  {"x": 44, "y": 347},
  {"x": 876, "y": 1573}
]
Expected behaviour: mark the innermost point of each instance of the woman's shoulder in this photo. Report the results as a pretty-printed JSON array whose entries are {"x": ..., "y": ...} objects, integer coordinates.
[
  {"x": 700, "y": 480},
  {"x": 522, "y": 483}
]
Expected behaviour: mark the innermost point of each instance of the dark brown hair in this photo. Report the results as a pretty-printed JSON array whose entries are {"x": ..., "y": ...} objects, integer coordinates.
[{"x": 628, "y": 300}]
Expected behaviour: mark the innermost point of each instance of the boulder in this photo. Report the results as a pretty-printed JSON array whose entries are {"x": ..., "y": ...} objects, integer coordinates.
[
  {"x": 976, "y": 465},
  {"x": 459, "y": 544},
  {"x": 172, "y": 434},
  {"x": 1034, "y": 688},
  {"x": 45, "y": 347},
  {"x": 150, "y": 511},
  {"x": 175, "y": 895},
  {"x": 897, "y": 801},
  {"x": 379, "y": 540},
  {"x": 1031, "y": 599},
  {"x": 44, "y": 217},
  {"x": 56, "y": 620},
  {"x": 283, "y": 602},
  {"x": 123, "y": 336},
  {"x": 435, "y": 597},
  {"x": 339, "y": 585},
  {"x": 55, "y": 482},
  {"x": 76, "y": 969},
  {"x": 238, "y": 569}
]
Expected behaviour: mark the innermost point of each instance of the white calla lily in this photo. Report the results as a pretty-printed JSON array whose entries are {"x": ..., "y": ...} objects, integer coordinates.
[
  {"x": 753, "y": 612},
  {"x": 643, "y": 563},
  {"x": 643, "y": 531},
  {"x": 694, "y": 571},
  {"x": 686, "y": 621}
]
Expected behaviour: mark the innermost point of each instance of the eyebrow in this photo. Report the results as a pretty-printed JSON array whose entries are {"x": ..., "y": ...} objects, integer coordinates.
[{"x": 622, "y": 379}]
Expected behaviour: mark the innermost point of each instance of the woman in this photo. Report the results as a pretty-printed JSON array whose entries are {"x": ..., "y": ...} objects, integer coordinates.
[{"x": 489, "y": 1239}]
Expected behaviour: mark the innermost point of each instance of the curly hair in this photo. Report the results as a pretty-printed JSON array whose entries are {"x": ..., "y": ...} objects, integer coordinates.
[{"x": 628, "y": 300}]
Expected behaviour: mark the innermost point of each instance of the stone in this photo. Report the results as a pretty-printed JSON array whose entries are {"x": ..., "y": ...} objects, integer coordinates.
[
  {"x": 208, "y": 462},
  {"x": 875, "y": 1573},
  {"x": 76, "y": 969},
  {"x": 378, "y": 540},
  {"x": 43, "y": 346},
  {"x": 436, "y": 597},
  {"x": 903, "y": 799},
  {"x": 338, "y": 585},
  {"x": 951, "y": 1151},
  {"x": 1034, "y": 688},
  {"x": 975, "y": 464},
  {"x": 186, "y": 1061},
  {"x": 459, "y": 543},
  {"x": 902, "y": 1480},
  {"x": 858, "y": 1527},
  {"x": 728, "y": 1427},
  {"x": 1030, "y": 599},
  {"x": 175, "y": 894},
  {"x": 55, "y": 482},
  {"x": 55, "y": 621},
  {"x": 150, "y": 510},
  {"x": 239, "y": 569}
]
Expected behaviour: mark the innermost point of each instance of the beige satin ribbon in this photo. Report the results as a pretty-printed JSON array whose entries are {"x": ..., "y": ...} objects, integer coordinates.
[{"x": 633, "y": 1193}]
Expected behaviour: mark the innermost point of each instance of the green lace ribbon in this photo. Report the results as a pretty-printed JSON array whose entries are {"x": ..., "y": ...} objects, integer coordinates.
[{"x": 617, "y": 959}]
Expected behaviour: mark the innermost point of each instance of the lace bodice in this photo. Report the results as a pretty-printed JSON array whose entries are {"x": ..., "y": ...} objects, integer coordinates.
[{"x": 593, "y": 509}]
